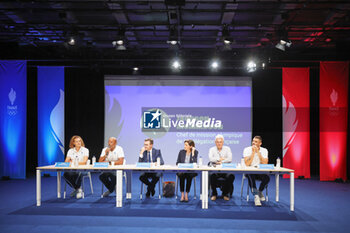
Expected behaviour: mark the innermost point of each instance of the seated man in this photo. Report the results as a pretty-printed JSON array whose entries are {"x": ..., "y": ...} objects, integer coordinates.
[
  {"x": 149, "y": 155},
  {"x": 112, "y": 153},
  {"x": 217, "y": 155},
  {"x": 253, "y": 156}
]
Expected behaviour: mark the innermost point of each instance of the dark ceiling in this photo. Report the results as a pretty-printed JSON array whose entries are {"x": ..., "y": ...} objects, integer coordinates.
[{"x": 41, "y": 29}]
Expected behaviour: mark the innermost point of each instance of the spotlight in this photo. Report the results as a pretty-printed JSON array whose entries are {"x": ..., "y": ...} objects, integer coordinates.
[
  {"x": 71, "y": 41},
  {"x": 286, "y": 43},
  {"x": 173, "y": 36},
  {"x": 119, "y": 45},
  {"x": 282, "y": 44},
  {"x": 120, "y": 41},
  {"x": 251, "y": 66},
  {"x": 135, "y": 70},
  {"x": 227, "y": 42},
  {"x": 226, "y": 38},
  {"x": 176, "y": 65},
  {"x": 172, "y": 42},
  {"x": 214, "y": 64},
  {"x": 280, "y": 47}
]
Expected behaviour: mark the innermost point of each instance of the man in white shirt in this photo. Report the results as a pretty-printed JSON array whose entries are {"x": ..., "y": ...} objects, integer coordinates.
[
  {"x": 112, "y": 153},
  {"x": 217, "y": 155},
  {"x": 253, "y": 156}
]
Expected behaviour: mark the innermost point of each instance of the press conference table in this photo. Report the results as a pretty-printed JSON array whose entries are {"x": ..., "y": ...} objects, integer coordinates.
[{"x": 204, "y": 170}]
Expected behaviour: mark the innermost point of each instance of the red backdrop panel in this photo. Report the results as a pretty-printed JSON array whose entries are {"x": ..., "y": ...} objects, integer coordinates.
[
  {"x": 296, "y": 120},
  {"x": 334, "y": 78}
]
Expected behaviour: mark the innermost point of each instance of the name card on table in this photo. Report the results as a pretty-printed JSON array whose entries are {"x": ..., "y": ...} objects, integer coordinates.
[
  {"x": 185, "y": 165},
  {"x": 101, "y": 164},
  {"x": 266, "y": 166},
  {"x": 229, "y": 165},
  {"x": 144, "y": 165},
  {"x": 62, "y": 164}
]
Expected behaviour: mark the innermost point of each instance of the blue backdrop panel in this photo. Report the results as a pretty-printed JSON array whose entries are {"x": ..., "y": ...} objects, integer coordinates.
[
  {"x": 13, "y": 113},
  {"x": 50, "y": 115}
]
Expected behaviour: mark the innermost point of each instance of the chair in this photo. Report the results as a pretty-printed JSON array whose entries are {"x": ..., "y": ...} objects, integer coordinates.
[
  {"x": 124, "y": 175},
  {"x": 220, "y": 180},
  {"x": 88, "y": 175},
  {"x": 244, "y": 177},
  {"x": 177, "y": 184},
  {"x": 143, "y": 186}
]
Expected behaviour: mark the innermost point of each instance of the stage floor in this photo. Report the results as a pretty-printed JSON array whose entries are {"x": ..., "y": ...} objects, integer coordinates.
[{"x": 319, "y": 207}]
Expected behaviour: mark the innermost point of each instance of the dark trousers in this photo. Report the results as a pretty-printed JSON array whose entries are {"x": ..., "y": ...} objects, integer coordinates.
[
  {"x": 227, "y": 183},
  {"x": 252, "y": 184},
  {"x": 188, "y": 177},
  {"x": 145, "y": 178},
  {"x": 73, "y": 179},
  {"x": 109, "y": 180}
]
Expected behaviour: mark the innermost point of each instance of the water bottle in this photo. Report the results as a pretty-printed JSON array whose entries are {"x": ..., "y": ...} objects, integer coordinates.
[
  {"x": 242, "y": 163},
  {"x": 76, "y": 161},
  {"x": 158, "y": 161},
  {"x": 93, "y": 160},
  {"x": 278, "y": 162},
  {"x": 72, "y": 164},
  {"x": 200, "y": 162}
]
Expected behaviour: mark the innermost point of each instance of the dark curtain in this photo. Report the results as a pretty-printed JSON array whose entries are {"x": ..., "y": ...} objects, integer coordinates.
[{"x": 84, "y": 108}]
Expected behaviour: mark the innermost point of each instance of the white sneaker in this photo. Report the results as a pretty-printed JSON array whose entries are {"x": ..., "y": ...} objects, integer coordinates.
[
  {"x": 262, "y": 197},
  {"x": 106, "y": 194},
  {"x": 72, "y": 194},
  {"x": 257, "y": 200},
  {"x": 79, "y": 193}
]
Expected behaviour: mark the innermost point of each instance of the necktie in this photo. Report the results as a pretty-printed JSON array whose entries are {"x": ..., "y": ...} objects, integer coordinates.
[{"x": 149, "y": 156}]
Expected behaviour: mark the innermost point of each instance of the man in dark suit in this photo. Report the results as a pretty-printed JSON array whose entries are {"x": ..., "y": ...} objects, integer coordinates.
[{"x": 150, "y": 155}]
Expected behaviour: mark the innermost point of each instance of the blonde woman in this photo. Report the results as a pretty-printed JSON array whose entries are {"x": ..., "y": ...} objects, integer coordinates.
[{"x": 77, "y": 151}]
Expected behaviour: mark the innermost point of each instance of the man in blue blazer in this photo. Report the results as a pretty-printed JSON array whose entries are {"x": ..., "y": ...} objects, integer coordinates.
[{"x": 150, "y": 155}]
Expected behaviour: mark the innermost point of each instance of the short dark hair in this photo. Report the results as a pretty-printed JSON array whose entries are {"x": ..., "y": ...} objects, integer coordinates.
[
  {"x": 258, "y": 137},
  {"x": 190, "y": 142},
  {"x": 150, "y": 140}
]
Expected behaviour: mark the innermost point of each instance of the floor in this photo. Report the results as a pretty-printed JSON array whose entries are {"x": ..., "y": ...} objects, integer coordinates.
[{"x": 319, "y": 207}]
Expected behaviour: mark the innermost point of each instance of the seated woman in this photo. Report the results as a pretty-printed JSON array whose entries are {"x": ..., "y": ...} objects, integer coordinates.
[
  {"x": 77, "y": 151},
  {"x": 188, "y": 155}
]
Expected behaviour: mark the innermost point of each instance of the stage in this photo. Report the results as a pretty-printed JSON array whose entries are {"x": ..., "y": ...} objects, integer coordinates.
[
  {"x": 258, "y": 89},
  {"x": 319, "y": 207}
]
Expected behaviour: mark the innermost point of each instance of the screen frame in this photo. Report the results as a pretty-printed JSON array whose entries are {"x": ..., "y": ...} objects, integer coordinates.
[{"x": 179, "y": 80}]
